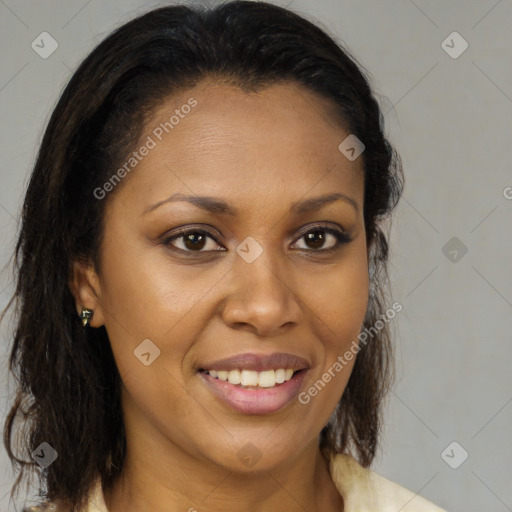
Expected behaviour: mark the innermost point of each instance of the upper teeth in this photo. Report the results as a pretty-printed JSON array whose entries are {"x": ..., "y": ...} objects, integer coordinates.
[{"x": 265, "y": 379}]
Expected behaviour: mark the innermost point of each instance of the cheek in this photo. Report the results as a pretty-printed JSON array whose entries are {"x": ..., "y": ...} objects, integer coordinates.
[
  {"x": 145, "y": 287},
  {"x": 339, "y": 300},
  {"x": 144, "y": 297}
]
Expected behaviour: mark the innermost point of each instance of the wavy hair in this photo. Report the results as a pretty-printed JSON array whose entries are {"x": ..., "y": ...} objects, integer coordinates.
[{"x": 67, "y": 383}]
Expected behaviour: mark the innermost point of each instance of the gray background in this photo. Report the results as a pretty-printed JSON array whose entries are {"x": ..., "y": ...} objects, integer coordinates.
[{"x": 450, "y": 120}]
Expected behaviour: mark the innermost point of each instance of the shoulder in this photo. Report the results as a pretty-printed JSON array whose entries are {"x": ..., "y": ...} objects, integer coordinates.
[
  {"x": 62, "y": 506},
  {"x": 53, "y": 506},
  {"x": 363, "y": 490},
  {"x": 95, "y": 501},
  {"x": 48, "y": 507}
]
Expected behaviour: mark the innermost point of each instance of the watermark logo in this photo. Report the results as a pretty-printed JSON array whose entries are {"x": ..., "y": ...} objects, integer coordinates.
[
  {"x": 249, "y": 249},
  {"x": 44, "y": 45},
  {"x": 454, "y": 45},
  {"x": 343, "y": 360},
  {"x": 146, "y": 352},
  {"x": 351, "y": 147},
  {"x": 249, "y": 455},
  {"x": 157, "y": 135},
  {"x": 45, "y": 455},
  {"x": 174, "y": 120},
  {"x": 454, "y": 455},
  {"x": 454, "y": 249}
]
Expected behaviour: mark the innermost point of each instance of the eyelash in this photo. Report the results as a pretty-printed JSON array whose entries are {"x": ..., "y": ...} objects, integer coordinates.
[{"x": 342, "y": 238}]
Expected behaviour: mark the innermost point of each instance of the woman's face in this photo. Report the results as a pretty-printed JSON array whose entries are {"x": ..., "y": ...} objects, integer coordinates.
[{"x": 220, "y": 253}]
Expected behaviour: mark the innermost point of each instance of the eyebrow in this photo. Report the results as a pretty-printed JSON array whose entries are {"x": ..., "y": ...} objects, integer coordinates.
[{"x": 215, "y": 205}]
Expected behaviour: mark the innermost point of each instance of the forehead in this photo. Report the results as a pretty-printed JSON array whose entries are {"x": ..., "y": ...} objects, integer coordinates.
[
  {"x": 218, "y": 139},
  {"x": 280, "y": 112}
]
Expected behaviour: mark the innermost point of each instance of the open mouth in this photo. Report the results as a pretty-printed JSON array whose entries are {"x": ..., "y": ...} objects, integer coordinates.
[
  {"x": 254, "y": 392},
  {"x": 250, "y": 379},
  {"x": 252, "y": 383}
]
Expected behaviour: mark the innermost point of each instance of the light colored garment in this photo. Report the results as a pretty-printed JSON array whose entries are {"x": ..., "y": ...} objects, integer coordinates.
[{"x": 362, "y": 489}]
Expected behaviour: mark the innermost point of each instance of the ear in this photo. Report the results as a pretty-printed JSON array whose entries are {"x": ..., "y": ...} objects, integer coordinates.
[{"x": 85, "y": 287}]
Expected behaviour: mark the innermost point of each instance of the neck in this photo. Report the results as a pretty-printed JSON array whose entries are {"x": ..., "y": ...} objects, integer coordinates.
[{"x": 187, "y": 484}]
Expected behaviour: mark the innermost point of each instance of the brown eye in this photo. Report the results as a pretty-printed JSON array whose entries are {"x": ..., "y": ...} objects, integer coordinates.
[
  {"x": 317, "y": 238},
  {"x": 193, "y": 241}
]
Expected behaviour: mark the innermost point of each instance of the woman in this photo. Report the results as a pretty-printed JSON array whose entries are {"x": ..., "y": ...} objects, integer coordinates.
[{"x": 202, "y": 273}]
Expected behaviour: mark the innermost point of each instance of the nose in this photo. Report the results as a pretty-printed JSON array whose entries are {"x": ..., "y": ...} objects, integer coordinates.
[{"x": 262, "y": 297}]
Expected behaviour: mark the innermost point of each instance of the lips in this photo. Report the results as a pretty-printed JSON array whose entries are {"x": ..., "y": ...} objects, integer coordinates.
[
  {"x": 255, "y": 384},
  {"x": 258, "y": 363}
]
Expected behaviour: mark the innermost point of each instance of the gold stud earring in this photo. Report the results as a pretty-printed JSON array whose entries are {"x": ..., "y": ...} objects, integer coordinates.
[{"x": 86, "y": 315}]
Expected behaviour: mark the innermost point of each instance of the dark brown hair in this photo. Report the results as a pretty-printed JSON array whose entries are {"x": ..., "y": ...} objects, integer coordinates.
[{"x": 67, "y": 381}]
